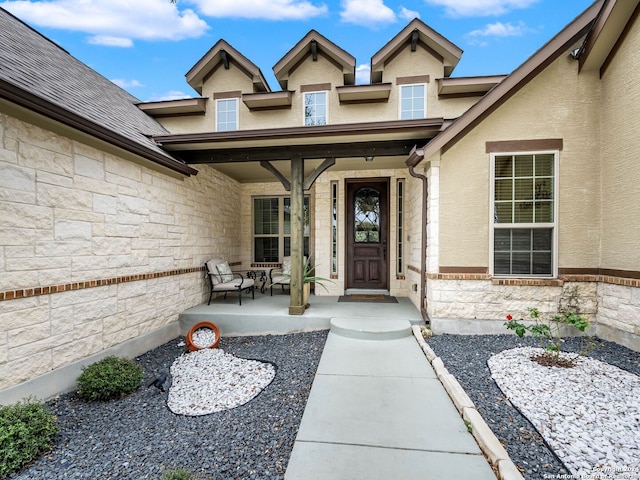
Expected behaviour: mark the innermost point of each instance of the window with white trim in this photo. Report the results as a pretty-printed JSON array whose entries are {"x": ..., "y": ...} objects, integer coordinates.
[
  {"x": 316, "y": 108},
  {"x": 272, "y": 228},
  {"x": 524, "y": 210},
  {"x": 226, "y": 114},
  {"x": 413, "y": 101}
]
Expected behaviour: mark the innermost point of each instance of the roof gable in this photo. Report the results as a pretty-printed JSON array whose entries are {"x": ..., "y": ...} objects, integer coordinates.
[
  {"x": 222, "y": 55},
  {"x": 510, "y": 85},
  {"x": 414, "y": 34},
  {"x": 609, "y": 28},
  {"x": 312, "y": 45}
]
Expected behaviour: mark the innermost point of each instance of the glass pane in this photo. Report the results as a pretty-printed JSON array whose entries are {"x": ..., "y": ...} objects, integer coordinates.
[
  {"x": 521, "y": 239},
  {"x": 521, "y": 263},
  {"x": 542, "y": 239},
  {"x": 287, "y": 247},
  {"x": 504, "y": 166},
  {"x": 265, "y": 216},
  {"x": 287, "y": 215},
  {"x": 523, "y": 212},
  {"x": 504, "y": 189},
  {"x": 524, "y": 166},
  {"x": 502, "y": 263},
  {"x": 503, "y": 213},
  {"x": 544, "y": 212},
  {"x": 366, "y": 215},
  {"x": 502, "y": 240},
  {"x": 544, "y": 189},
  {"x": 541, "y": 263},
  {"x": 265, "y": 249},
  {"x": 544, "y": 165},
  {"x": 523, "y": 189}
]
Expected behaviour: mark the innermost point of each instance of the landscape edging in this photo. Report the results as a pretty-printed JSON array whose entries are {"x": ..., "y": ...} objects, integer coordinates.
[{"x": 484, "y": 436}]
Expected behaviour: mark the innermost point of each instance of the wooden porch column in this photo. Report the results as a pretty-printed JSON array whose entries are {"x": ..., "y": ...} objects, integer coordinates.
[{"x": 296, "y": 305}]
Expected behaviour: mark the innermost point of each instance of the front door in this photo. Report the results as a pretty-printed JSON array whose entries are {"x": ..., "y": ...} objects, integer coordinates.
[{"x": 367, "y": 233}]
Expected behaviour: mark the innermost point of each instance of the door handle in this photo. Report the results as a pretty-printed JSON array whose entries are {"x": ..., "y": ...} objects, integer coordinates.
[{"x": 384, "y": 250}]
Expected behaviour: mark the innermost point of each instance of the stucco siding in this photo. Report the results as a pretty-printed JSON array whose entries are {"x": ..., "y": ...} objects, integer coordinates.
[
  {"x": 73, "y": 216},
  {"x": 556, "y": 104},
  {"x": 620, "y": 124}
]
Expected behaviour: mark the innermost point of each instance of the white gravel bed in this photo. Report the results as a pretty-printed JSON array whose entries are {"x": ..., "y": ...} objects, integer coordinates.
[
  {"x": 210, "y": 380},
  {"x": 589, "y": 414},
  {"x": 204, "y": 337}
]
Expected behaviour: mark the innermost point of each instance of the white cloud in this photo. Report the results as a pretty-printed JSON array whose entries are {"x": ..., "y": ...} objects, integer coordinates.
[
  {"x": 407, "y": 14},
  {"x": 122, "y": 83},
  {"x": 500, "y": 29},
  {"x": 363, "y": 74},
  {"x": 368, "y": 13},
  {"x": 171, "y": 95},
  {"x": 112, "y": 22},
  {"x": 480, "y": 8},
  {"x": 262, "y": 9},
  {"x": 108, "y": 41}
]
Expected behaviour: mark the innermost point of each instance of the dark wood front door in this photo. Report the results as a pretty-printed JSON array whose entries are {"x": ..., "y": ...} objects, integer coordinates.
[{"x": 367, "y": 215}]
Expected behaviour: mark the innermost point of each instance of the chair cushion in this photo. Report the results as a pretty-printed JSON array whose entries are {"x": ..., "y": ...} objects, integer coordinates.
[
  {"x": 235, "y": 284},
  {"x": 280, "y": 279},
  {"x": 226, "y": 275},
  {"x": 286, "y": 266}
]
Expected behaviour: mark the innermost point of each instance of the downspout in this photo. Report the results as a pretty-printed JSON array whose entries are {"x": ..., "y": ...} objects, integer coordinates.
[{"x": 415, "y": 157}]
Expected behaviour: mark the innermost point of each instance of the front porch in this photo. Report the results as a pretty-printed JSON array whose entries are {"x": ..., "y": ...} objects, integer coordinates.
[{"x": 270, "y": 314}]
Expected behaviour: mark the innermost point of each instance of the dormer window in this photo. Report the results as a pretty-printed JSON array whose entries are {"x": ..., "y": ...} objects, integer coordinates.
[
  {"x": 413, "y": 101},
  {"x": 315, "y": 108},
  {"x": 226, "y": 114}
]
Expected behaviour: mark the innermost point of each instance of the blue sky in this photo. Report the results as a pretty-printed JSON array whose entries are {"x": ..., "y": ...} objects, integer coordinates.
[{"x": 147, "y": 46}]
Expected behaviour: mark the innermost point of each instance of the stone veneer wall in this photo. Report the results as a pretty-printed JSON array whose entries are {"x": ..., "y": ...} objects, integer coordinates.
[
  {"x": 97, "y": 251},
  {"x": 477, "y": 304}
]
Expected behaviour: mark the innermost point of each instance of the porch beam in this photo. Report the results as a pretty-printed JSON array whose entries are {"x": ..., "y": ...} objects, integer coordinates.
[
  {"x": 328, "y": 163},
  {"x": 390, "y": 148},
  {"x": 283, "y": 180},
  {"x": 296, "y": 305}
]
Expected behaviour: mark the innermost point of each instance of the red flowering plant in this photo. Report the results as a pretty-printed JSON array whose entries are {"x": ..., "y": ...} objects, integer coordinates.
[{"x": 549, "y": 332}]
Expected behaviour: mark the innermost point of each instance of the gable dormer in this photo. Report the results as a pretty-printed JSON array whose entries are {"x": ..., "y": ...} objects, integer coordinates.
[
  {"x": 313, "y": 45},
  {"x": 223, "y": 55},
  {"x": 416, "y": 35}
]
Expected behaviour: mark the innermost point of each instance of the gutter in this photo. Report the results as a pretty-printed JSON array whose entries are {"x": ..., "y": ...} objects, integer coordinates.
[
  {"x": 416, "y": 155},
  {"x": 50, "y": 110}
]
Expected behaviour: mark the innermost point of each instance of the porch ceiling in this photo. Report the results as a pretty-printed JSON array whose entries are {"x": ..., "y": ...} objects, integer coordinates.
[{"x": 389, "y": 143}]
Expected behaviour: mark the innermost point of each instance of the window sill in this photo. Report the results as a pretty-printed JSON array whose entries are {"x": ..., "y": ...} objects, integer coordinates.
[{"x": 529, "y": 282}]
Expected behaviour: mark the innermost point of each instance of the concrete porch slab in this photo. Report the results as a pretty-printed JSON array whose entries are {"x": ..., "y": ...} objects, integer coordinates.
[{"x": 270, "y": 314}]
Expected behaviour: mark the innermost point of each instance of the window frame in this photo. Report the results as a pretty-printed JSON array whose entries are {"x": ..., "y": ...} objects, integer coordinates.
[
  {"x": 281, "y": 235},
  {"x": 524, "y": 225},
  {"x": 401, "y": 97},
  {"x": 237, "y": 114},
  {"x": 304, "y": 103}
]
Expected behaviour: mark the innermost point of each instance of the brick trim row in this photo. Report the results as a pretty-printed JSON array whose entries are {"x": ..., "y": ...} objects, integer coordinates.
[
  {"x": 551, "y": 282},
  {"x": 66, "y": 287}
]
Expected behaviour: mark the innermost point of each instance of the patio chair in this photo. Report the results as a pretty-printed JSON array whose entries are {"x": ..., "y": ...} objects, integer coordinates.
[
  {"x": 282, "y": 276},
  {"x": 223, "y": 279}
]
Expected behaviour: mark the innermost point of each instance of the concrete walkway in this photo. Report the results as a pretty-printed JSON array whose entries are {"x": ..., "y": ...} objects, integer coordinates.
[{"x": 377, "y": 411}]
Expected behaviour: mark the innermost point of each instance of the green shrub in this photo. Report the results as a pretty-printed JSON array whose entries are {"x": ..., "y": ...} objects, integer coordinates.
[
  {"x": 177, "y": 474},
  {"x": 26, "y": 430},
  {"x": 109, "y": 378}
]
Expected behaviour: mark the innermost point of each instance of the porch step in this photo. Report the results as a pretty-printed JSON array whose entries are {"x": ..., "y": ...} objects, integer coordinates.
[{"x": 370, "y": 328}]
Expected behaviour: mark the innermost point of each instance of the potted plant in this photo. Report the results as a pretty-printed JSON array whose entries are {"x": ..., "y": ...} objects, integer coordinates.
[{"x": 309, "y": 277}]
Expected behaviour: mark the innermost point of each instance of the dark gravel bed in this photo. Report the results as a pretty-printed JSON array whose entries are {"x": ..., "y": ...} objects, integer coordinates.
[
  {"x": 138, "y": 437},
  {"x": 466, "y": 358}
]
